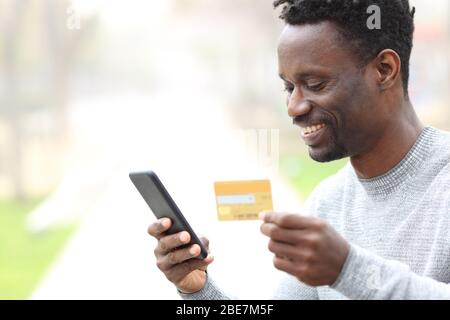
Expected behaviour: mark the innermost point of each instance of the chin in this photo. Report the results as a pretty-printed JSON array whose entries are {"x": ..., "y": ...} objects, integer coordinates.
[{"x": 324, "y": 155}]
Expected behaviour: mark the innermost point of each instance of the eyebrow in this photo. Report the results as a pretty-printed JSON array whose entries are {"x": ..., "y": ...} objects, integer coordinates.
[{"x": 297, "y": 76}]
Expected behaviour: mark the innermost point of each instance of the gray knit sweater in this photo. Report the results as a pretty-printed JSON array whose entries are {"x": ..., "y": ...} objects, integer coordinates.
[{"x": 398, "y": 226}]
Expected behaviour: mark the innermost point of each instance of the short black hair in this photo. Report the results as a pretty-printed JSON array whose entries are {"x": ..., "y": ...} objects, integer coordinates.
[{"x": 350, "y": 16}]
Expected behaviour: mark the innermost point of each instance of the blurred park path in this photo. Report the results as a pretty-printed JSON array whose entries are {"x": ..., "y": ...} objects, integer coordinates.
[{"x": 190, "y": 146}]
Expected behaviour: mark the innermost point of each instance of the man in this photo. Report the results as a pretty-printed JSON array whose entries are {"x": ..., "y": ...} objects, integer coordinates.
[{"x": 380, "y": 227}]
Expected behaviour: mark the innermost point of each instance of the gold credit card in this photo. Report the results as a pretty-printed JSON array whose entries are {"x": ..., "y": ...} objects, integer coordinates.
[{"x": 242, "y": 200}]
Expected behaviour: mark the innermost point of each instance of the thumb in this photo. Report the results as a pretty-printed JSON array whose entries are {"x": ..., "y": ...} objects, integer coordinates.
[
  {"x": 206, "y": 262},
  {"x": 205, "y": 241}
]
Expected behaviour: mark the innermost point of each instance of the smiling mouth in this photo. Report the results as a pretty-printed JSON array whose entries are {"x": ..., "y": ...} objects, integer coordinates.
[{"x": 312, "y": 129}]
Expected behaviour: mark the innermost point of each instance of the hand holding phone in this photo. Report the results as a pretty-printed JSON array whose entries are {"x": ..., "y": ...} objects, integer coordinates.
[{"x": 178, "y": 245}]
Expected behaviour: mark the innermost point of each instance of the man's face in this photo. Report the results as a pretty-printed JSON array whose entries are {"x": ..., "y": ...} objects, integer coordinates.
[{"x": 329, "y": 96}]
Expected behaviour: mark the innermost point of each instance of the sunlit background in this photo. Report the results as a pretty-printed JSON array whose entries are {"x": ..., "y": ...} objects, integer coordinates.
[{"x": 93, "y": 89}]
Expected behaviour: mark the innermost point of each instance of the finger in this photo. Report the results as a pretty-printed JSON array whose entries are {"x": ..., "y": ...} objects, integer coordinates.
[
  {"x": 168, "y": 243},
  {"x": 158, "y": 228},
  {"x": 208, "y": 258},
  {"x": 180, "y": 271},
  {"x": 178, "y": 256},
  {"x": 286, "y": 265},
  {"x": 285, "y": 250},
  {"x": 289, "y": 220},
  {"x": 205, "y": 241},
  {"x": 278, "y": 233}
]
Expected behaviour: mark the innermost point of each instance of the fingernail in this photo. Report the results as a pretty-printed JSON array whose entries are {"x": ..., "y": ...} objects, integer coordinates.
[
  {"x": 165, "y": 222},
  {"x": 261, "y": 215},
  {"x": 193, "y": 251},
  {"x": 184, "y": 236}
]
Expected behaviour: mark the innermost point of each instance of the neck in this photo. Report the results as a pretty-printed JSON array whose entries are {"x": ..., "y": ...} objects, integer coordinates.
[{"x": 391, "y": 147}]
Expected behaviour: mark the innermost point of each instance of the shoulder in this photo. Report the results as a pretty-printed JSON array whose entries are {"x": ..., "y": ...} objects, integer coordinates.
[
  {"x": 441, "y": 144},
  {"x": 438, "y": 164}
]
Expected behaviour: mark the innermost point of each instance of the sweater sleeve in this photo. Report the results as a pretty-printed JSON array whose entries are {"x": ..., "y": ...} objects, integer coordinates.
[
  {"x": 291, "y": 288},
  {"x": 368, "y": 276},
  {"x": 288, "y": 288},
  {"x": 209, "y": 292}
]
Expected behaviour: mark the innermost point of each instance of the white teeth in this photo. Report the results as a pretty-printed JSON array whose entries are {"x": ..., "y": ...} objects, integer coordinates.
[{"x": 312, "y": 129}]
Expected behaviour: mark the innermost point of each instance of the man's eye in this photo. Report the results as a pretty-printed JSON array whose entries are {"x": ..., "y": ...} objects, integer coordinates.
[
  {"x": 288, "y": 89},
  {"x": 315, "y": 86}
]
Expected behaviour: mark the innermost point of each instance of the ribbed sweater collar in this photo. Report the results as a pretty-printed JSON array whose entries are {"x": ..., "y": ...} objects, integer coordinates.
[{"x": 387, "y": 183}]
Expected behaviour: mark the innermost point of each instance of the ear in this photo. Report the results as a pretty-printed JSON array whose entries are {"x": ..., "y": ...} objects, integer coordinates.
[{"x": 388, "y": 65}]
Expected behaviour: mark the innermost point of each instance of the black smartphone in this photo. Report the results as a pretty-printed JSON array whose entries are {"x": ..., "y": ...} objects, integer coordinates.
[{"x": 163, "y": 206}]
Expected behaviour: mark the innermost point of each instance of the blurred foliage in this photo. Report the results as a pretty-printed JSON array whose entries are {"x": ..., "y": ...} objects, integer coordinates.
[
  {"x": 304, "y": 173},
  {"x": 24, "y": 257},
  {"x": 39, "y": 55}
]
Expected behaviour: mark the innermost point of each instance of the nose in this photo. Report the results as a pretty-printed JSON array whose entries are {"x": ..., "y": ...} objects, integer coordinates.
[{"x": 297, "y": 104}]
